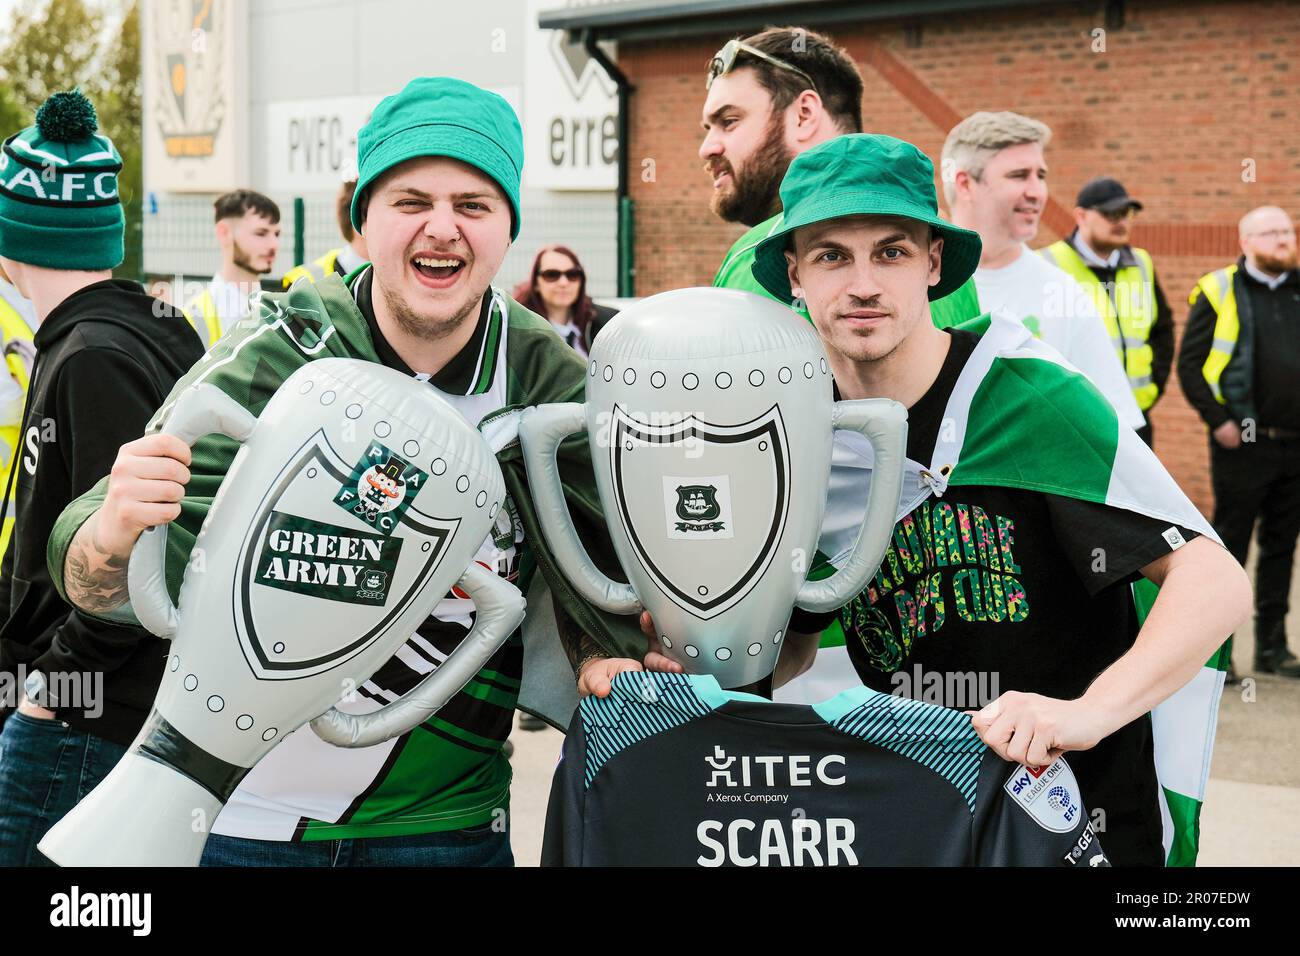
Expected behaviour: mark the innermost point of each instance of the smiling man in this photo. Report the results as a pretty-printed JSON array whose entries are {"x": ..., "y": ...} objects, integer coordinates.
[
  {"x": 995, "y": 180},
  {"x": 1028, "y": 512},
  {"x": 438, "y": 202}
]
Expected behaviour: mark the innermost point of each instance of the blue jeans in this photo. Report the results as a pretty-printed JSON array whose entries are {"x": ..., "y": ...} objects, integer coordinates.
[
  {"x": 46, "y": 767},
  {"x": 476, "y": 846}
]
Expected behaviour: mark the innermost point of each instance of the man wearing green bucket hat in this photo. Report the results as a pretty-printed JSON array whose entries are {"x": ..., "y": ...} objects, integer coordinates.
[
  {"x": 771, "y": 96},
  {"x": 437, "y": 200},
  {"x": 1028, "y": 514}
]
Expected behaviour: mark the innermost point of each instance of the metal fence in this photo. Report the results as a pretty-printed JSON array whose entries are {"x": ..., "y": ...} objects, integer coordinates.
[{"x": 179, "y": 239}]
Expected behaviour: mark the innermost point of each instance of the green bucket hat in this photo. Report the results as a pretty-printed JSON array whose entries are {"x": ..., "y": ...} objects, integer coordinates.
[
  {"x": 442, "y": 116},
  {"x": 863, "y": 175},
  {"x": 59, "y": 206}
]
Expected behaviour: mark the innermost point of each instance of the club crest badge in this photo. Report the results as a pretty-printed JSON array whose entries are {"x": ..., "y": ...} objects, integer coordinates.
[
  {"x": 688, "y": 465},
  {"x": 698, "y": 508},
  {"x": 381, "y": 488},
  {"x": 382, "y": 556},
  {"x": 697, "y": 503}
]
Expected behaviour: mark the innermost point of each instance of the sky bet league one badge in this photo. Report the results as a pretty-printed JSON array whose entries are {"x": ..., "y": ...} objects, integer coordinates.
[
  {"x": 357, "y": 502},
  {"x": 709, "y": 414}
]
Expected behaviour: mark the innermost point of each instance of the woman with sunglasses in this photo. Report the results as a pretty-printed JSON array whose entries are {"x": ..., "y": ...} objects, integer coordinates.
[{"x": 557, "y": 290}]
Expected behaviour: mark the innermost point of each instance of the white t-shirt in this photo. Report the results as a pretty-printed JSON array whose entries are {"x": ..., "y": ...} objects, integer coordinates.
[
  {"x": 233, "y": 299},
  {"x": 1033, "y": 288}
]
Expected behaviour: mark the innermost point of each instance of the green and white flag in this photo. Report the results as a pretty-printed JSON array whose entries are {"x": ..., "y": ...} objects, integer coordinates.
[{"x": 1020, "y": 416}]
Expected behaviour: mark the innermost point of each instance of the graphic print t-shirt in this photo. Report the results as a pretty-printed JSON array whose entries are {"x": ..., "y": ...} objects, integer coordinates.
[{"x": 987, "y": 590}]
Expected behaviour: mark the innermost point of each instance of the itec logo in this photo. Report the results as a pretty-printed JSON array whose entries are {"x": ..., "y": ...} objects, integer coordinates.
[
  {"x": 772, "y": 837},
  {"x": 1046, "y": 794},
  {"x": 778, "y": 770}
]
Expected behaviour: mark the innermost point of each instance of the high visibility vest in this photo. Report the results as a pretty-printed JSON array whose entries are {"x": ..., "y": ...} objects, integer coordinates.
[
  {"x": 312, "y": 271},
  {"x": 1217, "y": 287},
  {"x": 1129, "y": 316},
  {"x": 203, "y": 315},
  {"x": 19, "y": 353}
]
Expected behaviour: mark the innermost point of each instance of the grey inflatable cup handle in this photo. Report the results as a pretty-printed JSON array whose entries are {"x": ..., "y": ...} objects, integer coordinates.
[
  {"x": 541, "y": 430},
  {"x": 499, "y": 610},
  {"x": 883, "y": 423},
  {"x": 202, "y": 410}
]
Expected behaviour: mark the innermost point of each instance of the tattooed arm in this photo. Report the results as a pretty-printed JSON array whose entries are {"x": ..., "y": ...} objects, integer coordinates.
[
  {"x": 93, "y": 575},
  {"x": 595, "y": 669},
  {"x": 145, "y": 488}
]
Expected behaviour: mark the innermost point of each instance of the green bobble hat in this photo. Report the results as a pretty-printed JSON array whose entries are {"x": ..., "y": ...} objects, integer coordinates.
[
  {"x": 863, "y": 175},
  {"x": 59, "y": 206},
  {"x": 442, "y": 116}
]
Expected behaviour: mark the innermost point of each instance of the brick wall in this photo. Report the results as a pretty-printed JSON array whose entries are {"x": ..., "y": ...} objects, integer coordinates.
[{"x": 1183, "y": 94}]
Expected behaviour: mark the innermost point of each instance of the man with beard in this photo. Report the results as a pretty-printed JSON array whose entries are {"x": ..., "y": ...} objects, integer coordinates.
[
  {"x": 772, "y": 96},
  {"x": 1122, "y": 280},
  {"x": 1238, "y": 366},
  {"x": 248, "y": 231}
]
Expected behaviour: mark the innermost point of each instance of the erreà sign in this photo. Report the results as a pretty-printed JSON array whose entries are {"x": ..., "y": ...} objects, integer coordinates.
[{"x": 570, "y": 111}]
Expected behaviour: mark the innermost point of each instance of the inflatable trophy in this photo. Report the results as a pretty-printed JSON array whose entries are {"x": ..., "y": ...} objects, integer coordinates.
[
  {"x": 709, "y": 414},
  {"x": 358, "y": 499}
]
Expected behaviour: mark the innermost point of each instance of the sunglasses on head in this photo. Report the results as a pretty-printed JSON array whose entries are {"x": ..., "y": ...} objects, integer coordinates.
[
  {"x": 724, "y": 61},
  {"x": 553, "y": 275}
]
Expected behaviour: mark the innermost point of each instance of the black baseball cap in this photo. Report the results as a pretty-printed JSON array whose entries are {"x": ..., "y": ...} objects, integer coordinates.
[{"x": 1106, "y": 195}]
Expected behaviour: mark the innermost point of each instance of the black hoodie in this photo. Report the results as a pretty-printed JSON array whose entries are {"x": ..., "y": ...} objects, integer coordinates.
[{"x": 106, "y": 357}]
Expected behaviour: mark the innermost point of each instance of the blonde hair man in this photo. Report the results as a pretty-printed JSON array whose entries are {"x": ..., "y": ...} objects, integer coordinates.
[{"x": 995, "y": 181}]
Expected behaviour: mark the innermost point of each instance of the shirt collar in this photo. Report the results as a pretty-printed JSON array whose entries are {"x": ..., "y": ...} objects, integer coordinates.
[
  {"x": 572, "y": 336},
  {"x": 233, "y": 298},
  {"x": 1123, "y": 256},
  {"x": 349, "y": 260},
  {"x": 1263, "y": 278},
  {"x": 470, "y": 370}
]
